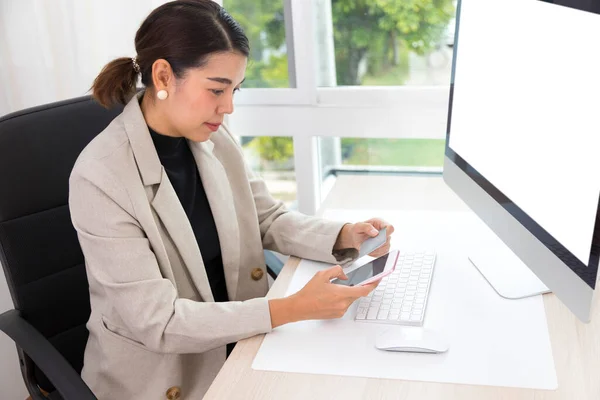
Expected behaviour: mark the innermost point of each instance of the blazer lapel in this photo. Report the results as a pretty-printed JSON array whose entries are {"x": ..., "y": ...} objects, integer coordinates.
[
  {"x": 165, "y": 203},
  {"x": 171, "y": 213},
  {"x": 220, "y": 197}
]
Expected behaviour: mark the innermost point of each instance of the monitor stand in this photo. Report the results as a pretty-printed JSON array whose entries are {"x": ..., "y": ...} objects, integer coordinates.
[{"x": 506, "y": 273}]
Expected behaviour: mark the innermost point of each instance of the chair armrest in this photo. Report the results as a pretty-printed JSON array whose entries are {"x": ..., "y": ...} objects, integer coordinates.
[
  {"x": 64, "y": 378},
  {"x": 274, "y": 264}
]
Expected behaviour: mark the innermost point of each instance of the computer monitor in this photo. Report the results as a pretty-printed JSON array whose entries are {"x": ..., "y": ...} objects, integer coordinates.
[{"x": 523, "y": 137}]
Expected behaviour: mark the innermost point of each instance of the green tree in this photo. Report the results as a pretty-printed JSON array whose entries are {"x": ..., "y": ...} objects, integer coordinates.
[
  {"x": 379, "y": 29},
  {"x": 276, "y": 148},
  {"x": 263, "y": 23}
]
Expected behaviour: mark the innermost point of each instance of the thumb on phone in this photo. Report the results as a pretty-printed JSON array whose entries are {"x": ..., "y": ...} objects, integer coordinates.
[{"x": 334, "y": 272}]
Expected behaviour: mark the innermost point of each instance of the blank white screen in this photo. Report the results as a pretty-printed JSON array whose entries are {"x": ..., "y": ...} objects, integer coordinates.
[{"x": 526, "y": 110}]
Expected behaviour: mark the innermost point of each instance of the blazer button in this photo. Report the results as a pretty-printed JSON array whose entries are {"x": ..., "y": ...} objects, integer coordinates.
[
  {"x": 257, "y": 274},
  {"x": 174, "y": 393}
]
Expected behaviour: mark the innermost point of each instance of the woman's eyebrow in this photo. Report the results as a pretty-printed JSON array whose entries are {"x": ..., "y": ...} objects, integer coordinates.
[{"x": 224, "y": 80}]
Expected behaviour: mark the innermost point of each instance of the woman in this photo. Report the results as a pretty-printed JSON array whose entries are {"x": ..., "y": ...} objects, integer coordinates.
[{"x": 172, "y": 223}]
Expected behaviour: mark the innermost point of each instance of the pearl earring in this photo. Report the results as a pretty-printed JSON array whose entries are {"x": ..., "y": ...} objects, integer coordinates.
[{"x": 162, "y": 94}]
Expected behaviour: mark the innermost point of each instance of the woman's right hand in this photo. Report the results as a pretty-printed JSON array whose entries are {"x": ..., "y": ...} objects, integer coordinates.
[{"x": 318, "y": 299}]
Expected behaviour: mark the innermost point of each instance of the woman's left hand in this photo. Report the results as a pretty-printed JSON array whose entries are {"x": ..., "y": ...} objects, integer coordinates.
[{"x": 353, "y": 235}]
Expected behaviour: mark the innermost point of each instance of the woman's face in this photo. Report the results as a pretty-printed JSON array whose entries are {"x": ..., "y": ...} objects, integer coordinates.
[{"x": 198, "y": 102}]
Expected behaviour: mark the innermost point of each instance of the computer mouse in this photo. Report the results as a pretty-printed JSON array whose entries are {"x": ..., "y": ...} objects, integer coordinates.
[{"x": 411, "y": 339}]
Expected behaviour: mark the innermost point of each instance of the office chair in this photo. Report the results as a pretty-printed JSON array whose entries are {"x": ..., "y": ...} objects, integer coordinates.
[{"x": 39, "y": 249}]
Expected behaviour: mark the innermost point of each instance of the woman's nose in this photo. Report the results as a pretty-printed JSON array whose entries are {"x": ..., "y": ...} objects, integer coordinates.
[{"x": 227, "y": 106}]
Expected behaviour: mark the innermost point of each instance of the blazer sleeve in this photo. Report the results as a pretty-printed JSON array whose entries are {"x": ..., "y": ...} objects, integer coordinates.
[
  {"x": 124, "y": 273},
  {"x": 293, "y": 233}
]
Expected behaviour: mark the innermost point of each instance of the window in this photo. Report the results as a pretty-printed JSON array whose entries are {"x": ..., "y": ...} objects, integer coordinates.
[
  {"x": 367, "y": 85},
  {"x": 264, "y": 24},
  {"x": 343, "y": 156},
  {"x": 384, "y": 42},
  {"x": 392, "y": 152},
  {"x": 272, "y": 158}
]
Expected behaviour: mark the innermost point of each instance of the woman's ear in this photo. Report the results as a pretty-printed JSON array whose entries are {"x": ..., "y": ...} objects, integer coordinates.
[{"x": 162, "y": 74}]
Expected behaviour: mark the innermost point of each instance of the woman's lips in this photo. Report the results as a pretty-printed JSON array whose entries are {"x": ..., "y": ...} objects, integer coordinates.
[{"x": 212, "y": 127}]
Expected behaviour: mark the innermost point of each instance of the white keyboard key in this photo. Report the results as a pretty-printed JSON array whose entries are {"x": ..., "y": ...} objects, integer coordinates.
[
  {"x": 372, "y": 314},
  {"x": 361, "y": 313}
]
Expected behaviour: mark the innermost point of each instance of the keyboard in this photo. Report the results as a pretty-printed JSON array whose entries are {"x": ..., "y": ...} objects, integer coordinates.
[{"x": 401, "y": 297}]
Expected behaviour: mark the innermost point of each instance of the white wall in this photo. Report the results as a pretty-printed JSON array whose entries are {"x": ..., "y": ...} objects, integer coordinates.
[
  {"x": 11, "y": 381},
  {"x": 53, "y": 50}
]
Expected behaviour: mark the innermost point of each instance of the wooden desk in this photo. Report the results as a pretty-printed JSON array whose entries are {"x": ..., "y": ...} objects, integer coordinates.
[{"x": 575, "y": 346}]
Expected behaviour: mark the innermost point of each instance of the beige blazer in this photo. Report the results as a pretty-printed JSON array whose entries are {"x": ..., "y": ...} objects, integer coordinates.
[{"x": 155, "y": 330}]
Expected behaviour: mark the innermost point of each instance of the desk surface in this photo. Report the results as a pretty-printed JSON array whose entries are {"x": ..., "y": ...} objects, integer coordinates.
[{"x": 575, "y": 346}]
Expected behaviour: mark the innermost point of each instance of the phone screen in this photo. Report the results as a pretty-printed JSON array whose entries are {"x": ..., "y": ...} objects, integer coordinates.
[{"x": 364, "y": 272}]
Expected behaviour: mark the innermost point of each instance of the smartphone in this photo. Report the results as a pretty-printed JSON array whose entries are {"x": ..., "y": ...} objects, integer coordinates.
[{"x": 371, "y": 271}]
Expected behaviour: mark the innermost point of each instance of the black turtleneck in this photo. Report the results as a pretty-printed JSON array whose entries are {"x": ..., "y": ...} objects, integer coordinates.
[{"x": 177, "y": 159}]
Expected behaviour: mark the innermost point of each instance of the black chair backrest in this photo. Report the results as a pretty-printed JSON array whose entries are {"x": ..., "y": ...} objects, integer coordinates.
[{"x": 39, "y": 250}]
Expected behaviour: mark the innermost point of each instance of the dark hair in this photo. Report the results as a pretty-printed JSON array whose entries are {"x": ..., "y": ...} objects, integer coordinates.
[{"x": 183, "y": 32}]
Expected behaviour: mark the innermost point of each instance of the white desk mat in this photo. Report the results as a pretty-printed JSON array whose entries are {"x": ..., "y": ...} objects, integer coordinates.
[{"x": 493, "y": 341}]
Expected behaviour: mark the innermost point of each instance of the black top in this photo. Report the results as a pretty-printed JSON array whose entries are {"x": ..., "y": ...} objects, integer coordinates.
[{"x": 177, "y": 159}]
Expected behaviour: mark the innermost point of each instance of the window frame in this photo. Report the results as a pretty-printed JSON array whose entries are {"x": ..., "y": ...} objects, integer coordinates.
[
  {"x": 297, "y": 19},
  {"x": 307, "y": 111}
]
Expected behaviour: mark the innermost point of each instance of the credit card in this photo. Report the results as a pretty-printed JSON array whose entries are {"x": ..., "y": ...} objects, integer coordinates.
[{"x": 372, "y": 244}]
